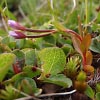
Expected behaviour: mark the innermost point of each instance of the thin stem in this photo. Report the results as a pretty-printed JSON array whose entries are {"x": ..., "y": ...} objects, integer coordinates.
[
  {"x": 73, "y": 8},
  {"x": 80, "y": 26},
  {"x": 51, "y": 4},
  {"x": 74, "y": 5},
  {"x": 52, "y": 9},
  {"x": 4, "y": 23},
  {"x": 38, "y": 31},
  {"x": 86, "y": 11},
  {"x": 57, "y": 94},
  {"x": 7, "y": 7},
  {"x": 41, "y": 35}
]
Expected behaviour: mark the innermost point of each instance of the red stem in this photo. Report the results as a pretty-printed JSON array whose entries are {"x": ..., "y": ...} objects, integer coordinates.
[
  {"x": 41, "y": 35},
  {"x": 52, "y": 31},
  {"x": 73, "y": 32}
]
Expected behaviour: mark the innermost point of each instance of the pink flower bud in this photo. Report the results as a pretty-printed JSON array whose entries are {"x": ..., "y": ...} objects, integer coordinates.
[
  {"x": 17, "y": 34},
  {"x": 15, "y": 25}
]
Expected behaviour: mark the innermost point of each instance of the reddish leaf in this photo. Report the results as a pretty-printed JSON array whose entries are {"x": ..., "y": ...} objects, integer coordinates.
[
  {"x": 89, "y": 69},
  {"x": 77, "y": 44},
  {"x": 89, "y": 58},
  {"x": 86, "y": 41}
]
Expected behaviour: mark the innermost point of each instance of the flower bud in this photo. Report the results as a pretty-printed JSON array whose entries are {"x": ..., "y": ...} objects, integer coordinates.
[
  {"x": 15, "y": 25},
  {"x": 17, "y": 34}
]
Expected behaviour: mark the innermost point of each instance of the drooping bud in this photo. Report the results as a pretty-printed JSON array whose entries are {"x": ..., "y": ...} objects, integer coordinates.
[
  {"x": 17, "y": 34},
  {"x": 15, "y": 25}
]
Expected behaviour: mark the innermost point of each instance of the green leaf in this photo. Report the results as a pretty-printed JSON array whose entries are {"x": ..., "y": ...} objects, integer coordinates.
[
  {"x": 39, "y": 43},
  {"x": 15, "y": 77},
  {"x": 10, "y": 14},
  {"x": 77, "y": 44},
  {"x": 30, "y": 72},
  {"x": 27, "y": 85},
  {"x": 50, "y": 39},
  {"x": 19, "y": 54},
  {"x": 20, "y": 43},
  {"x": 98, "y": 96},
  {"x": 95, "y": 44},
  {"x": 6, "y": 61},
  {"x": 4, "y": 48},
  {"x": 89, "y": 92},
  {"x": 3, "y": 33},
  {"x": 27, "y": 43},
  {"x": 30, "y": 57},
  {"x": 6, "y": 40},
  {"x": 9, "y": 41},
  {"x": 98, "y": 87},
  {"x": 59, "y": 26},
  {"x": 24, "y": 43},
  {"x": 12, "y": 45},
  {"x": 53, "y": 60},
  {"x": 60, "y": 80},
  {"x": 67, "y": 49}
]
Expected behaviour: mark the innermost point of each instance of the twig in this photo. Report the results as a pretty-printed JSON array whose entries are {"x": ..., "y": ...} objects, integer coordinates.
[{"x": 57, "y": 94}]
